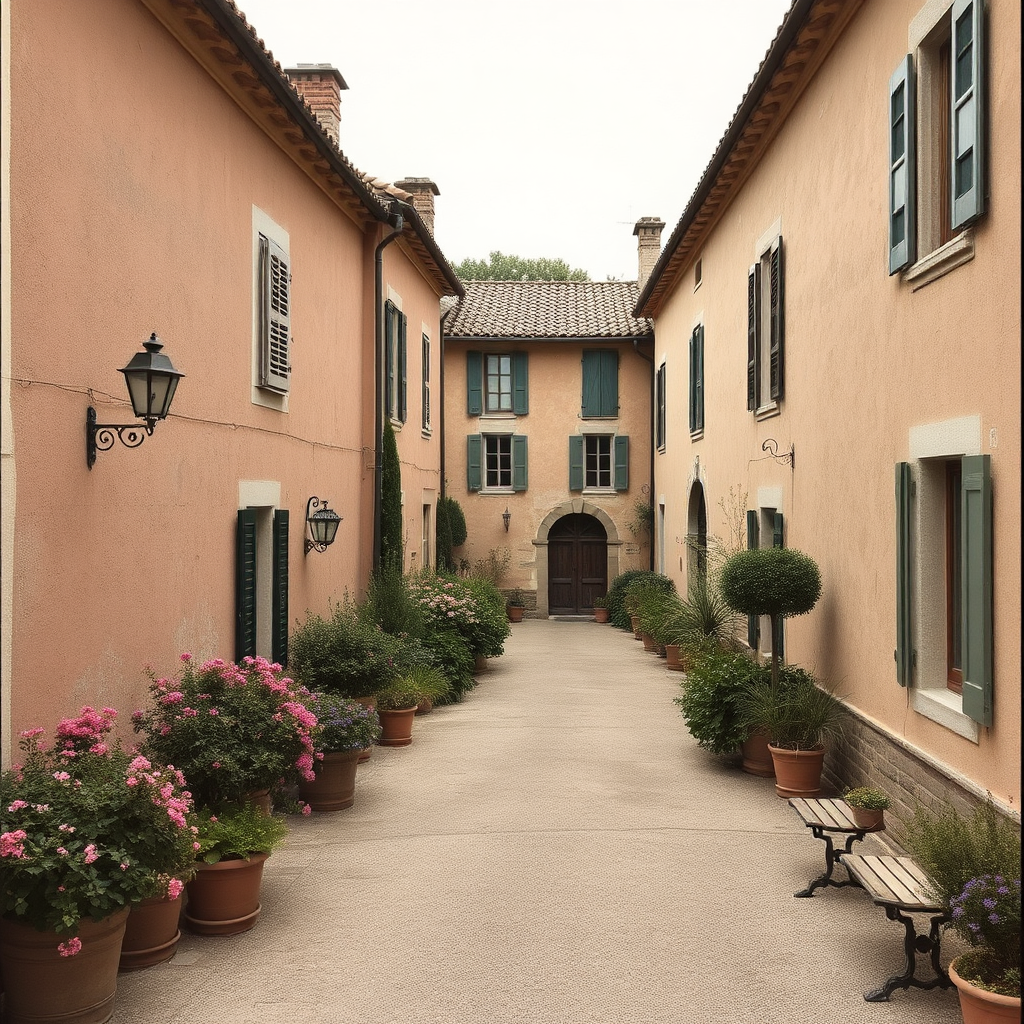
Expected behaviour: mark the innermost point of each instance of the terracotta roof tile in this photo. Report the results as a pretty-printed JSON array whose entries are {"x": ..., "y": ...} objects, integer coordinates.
[{"x": 547, "y": 310}]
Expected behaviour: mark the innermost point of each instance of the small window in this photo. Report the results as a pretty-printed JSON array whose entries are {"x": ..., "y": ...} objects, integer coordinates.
[
  {"x": 274, "y": 292},
  {"x": 765, "y": 330},
  {"x": 499, "y": 383},
  {"x": 498, "y": 460},
  {"x": 598, "y": 460},
  {"x": 697, "y": 381},
  {"x": 395, "y": 326},
  {"x": 659, "y": 422}
]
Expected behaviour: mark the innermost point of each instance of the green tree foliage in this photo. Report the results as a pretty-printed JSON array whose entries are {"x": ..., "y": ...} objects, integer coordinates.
[
  {"x": 457, "y": 521},
  {"x": 391, "y": 503},
  {"x": 443, "y": 537},
  {"x": 516, "y": 268},
  {"x": 617, "y": 613}
]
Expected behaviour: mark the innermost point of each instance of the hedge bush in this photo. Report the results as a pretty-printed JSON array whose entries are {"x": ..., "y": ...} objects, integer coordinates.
[{"x": 617, "y": 592}]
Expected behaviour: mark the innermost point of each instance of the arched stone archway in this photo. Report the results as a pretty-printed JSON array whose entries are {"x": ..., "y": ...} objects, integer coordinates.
[{"x": 578, "y": 506}]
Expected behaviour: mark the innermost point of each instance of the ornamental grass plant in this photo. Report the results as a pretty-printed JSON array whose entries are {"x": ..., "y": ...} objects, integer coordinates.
[{"x": 88, "y": 828}]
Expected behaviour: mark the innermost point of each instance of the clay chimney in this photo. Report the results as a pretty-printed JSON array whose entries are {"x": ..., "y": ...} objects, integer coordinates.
[
  {"x": 648, "y": 246},
  {"x": 422, "y": 191},
  {"x": 320, "y": 86}
]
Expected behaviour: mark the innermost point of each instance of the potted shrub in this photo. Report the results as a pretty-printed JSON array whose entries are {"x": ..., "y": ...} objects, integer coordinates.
[
  {"x": 600, "y": 609},
  {"x": 396, "y": 705},
  {"x": 867, "y": 806},
  {"x": 712, "y": 703},
  {"x": 234, "y": 844},
  {"x": 344, "y": 728},
  {"x": 86, "y": 830},
  {"x": 516, "y": 606},
  {"x": 974, "y": 864}
]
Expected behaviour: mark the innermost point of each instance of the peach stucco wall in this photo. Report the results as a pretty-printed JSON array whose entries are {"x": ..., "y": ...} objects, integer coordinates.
[
  {"x": 133, "y": 191},
  {"x": 555, "y": 390},
  {"x": 867, "y": 360}
]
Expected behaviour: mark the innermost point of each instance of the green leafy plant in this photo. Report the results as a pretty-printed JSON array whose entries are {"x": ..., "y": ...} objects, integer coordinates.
[
  {"x": 342, "y": 724},
  {"x": 488, "y": 634},
  {"x": 868, "y": 797},
  {"x": 431, "y": 683},
  {"x": 616, "y": 595},
  {"x": 238, "y": 831},
  {"x": 516, "y": 599},
  {"x": 403, "y": 693},
  {"x": 712, "y": 699},
  {"x": 799, "y": 715},
  {"x": 389, "y": 603},
  {"x": 494, "y": 566},
  {"x": 391, "y": 546},
  {"x": 641, "y": 519},
  {"x": 600, "y": 602},
  {"x": 986, "y": 913}
]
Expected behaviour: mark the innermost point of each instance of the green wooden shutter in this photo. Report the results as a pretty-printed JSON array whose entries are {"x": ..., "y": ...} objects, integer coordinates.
[
  {"x": 389, "y": 358},
  {"x": 402, "y": 367},
  {"x": 902, "y": 167},
  {"x": 660, "y": 421},
  {"x": 279, "y": 595},
  {"x": 425, "y": 392},
  {"x": 778, "y": 640},
  {"x": 591, "y": 384},
  {"x": 753, "y": 335},
  {"x": 968, "y": 113},
  {"x": 697, "y": 379},
  {"x": 520, "y": 384},
  {"x": 904, "y": 653},
  {"x": 752, "y": 542},
  {"x": 609, "y": 382},
  {"x": 777, "y": 320},
  {"x": 575, "y": 462},
  {"x": 474, "y": 462},
  {"x": 519, "y": 476},
  {"x": 622, "y": 462},
  {"x": 692, "y": 403},
  {"x": 474, "y": 383},
  {"x": 245, "y": 584},
  {"x": 976, "y": 586}
]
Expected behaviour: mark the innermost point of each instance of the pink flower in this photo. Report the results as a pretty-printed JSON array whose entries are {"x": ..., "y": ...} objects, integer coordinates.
[
  {"x": 30, "y": 733},
  {"x": 71, "y": 947},
  {"x": 186, "y": 657},
  {"x": 91, "y": 854},
  {"x": 66, "y": 828},
  {"x": 12, "y": 844},
  {"x": 196, "y": 847},
  {"x": 61, "y": 776},
  {"x": 18, "y": 805},
  {"x": 62, "y": 851},
  {"x": 139, "y": 764},
  {"x": 306, "y": 809},
  {"x": 216, "y": 764},
  {"x": 214, "y": 711},
  {"x": 174, "y": 888},
  {"x": 173, "y": 697},
  {"x": 124, "y": 867}
]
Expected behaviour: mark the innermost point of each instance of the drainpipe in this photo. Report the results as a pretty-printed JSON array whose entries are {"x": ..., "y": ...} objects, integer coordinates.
[
  {"x": 396, "y": 220},
  {"x": 650, "y": 359}
]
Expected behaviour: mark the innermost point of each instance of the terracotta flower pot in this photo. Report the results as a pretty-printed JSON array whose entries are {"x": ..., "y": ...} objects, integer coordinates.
[
  {"x": 757, "y": 758},
  {"x": 634, "y": 621},
  {"x": 600, "y": 614},
  {"x": 260, "y": 798},
  {"x": 479, "y": 663},
  {"x": 425, "y": 706},
  {"x": 334, "y": 787},
  {"x": 797, "y": 772},
  {"x": 867, "y": 817},
  {"x": 515, "y": 613},
  {"x": 649, "y": 645},
  {"x": 224, "y": 898},
  {"x": 980, "y": 1006},
  {"x": 41, "y": 985},
  {"x": 151, "y": 935},
  {"x": 672, "y": 657},
  {"x": 396, "y": 727}
]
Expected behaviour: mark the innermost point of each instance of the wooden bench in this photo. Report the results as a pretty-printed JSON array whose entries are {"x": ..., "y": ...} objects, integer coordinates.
[
  {"x": 825, "y": 818},
  {"x": 900, "y": 886}
]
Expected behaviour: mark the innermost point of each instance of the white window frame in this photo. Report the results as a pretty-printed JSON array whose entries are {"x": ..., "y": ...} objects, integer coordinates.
[{"x": 486, "y": 457}]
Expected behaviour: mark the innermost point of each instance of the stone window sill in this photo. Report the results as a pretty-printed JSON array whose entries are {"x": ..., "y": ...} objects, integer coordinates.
[
  {"x": 941, "y": 261},
  {"x": 946, "y": 708}
]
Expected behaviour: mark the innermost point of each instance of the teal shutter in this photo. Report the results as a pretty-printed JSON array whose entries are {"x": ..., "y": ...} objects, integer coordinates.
[
  {"x": 778, "y": 640},
  {"x": 279, "y": 595},
  {"x": 904, "y": 652},
  {"x": 575, "y": 462},
  {"x": 752, "y": 542},
  {"x": 402, "y": 362},
  {"x": 967, "y": 115},
  {"x": 474, "y": 383},
  {"x": 777, "y": 322},
  {"x": 519, "y": 477},
  {"x": 976, "y": 586},
  {"x": 902, "y": 167},
  {"x": 425, "y": 391},
  {"x": 621, "y": 462},
  {"x": 692, "y": 403},
  {"x": 609, "y": 382},
  {"x": 520, "y": 384},
  {"x": 591, "y": 384},
  {"x": 474, "y": 462},
  {"x": 389, "y": 358},
  {"x": 753, "y": 335},
  {"x": 660, "y": 397},
  {"x": 245, "y": 584},
  {"x": 700, "y": 377}
]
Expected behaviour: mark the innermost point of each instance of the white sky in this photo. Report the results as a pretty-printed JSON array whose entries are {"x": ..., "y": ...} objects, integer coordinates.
[{"x": 549, "y": 126}]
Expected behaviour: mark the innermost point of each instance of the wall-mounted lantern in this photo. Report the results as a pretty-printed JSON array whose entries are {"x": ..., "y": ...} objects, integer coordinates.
[
  {"x": 506, "y": 518},
  {"x": 152, "y": 381},
  {"x": 323, "y": 525}
]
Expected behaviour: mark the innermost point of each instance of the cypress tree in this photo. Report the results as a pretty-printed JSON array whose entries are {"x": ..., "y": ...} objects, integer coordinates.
[{"x": 391, "y": 503}]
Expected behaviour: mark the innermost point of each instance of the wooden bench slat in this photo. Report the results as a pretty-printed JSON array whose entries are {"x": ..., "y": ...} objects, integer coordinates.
[
  {"x": 828, "y": 813},
  {"x": 893, "y": 880}
]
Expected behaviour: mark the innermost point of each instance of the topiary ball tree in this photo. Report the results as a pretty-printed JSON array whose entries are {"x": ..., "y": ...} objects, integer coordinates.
[{"x": 777, "y": 582}]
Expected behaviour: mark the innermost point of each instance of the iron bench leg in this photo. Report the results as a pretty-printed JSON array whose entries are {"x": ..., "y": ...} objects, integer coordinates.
[
  {"x": 832, "y": 856},
  {"x": 912, "y": 945}
]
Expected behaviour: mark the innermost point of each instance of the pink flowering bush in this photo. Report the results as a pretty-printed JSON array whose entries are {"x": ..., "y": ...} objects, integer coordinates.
[
  {"x": 232, "y": 729},
  {"x": 87, "y": 828}
]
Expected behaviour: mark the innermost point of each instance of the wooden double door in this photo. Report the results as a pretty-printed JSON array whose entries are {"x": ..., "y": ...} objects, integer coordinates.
[{"x": 577, "y": 564}]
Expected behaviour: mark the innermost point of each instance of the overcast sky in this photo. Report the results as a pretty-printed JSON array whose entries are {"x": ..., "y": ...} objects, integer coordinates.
[{"x": 549, "y": 126}]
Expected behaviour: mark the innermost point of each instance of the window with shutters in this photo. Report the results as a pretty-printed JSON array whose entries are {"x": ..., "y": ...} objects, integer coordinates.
[
  {"x": 937, "y": 143},
  {"x": 272, "y": 314},
  {"x": 660, "y": 398},
  {"x": 498, "y": 377},
  {"x": 600, "y": 383},
  {"x": 696, "y": 397},
  {"x": 395, "y": 362},
  {"x": 261, "y": 584},
  {"x": 765, "y": 332},
  {"x": 425, "y": 396},
  {"x": 598, "y": 462},
  {"x": 496, "y": 463},
  {"x": 497, "y": 384}
]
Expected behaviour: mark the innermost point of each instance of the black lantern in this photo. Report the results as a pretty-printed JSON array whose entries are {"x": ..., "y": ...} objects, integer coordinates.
[
  {"x": 152, "y": 381},
  {"x": 506, "y": 518},
  {"x": 323, "y": 525}
]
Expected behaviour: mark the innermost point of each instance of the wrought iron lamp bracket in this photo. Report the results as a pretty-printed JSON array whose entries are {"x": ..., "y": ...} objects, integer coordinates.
[
  {"x": 771, "y": 446},
  {"x": 99, "y": 437}
]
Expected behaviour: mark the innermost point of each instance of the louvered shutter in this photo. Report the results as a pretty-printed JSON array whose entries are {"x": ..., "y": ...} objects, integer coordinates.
[
  {"x": 425, "y": 398},
  {"x": 245, "y": 584},
  {"x": 976, "y": 586},
  {"x": 279, "y": 594},
  {"x": 752, "y": 542},
  {"x": 902, "y": 166},
  {"x": 660, "y": 422},
  {"x": 753, "y": 335},
  {"x": 575, "y": 462},
  {"x": 474, "y": 383},
  {"x": 777, "y": 320},
  {"x": 692, "y": 403},
  {"x": 622, "y": 462},
  {"x": 697, "y": 379},
  {"x": 390, "y": 341},
  {"x": 474, "y": 462},
  {"x": 609, "y": 382},
  {"x": 904, "y": 652},
  {"x": 275, "y": 316},
  {"x": 520, "y": 384},
  {"x": 519, "y": 476},
  {"x": 591, "y": 384},
  {"x": 401, "y": 372},
  {"x": 967, "y": 115},
  {"x": 778, "y": 640}
]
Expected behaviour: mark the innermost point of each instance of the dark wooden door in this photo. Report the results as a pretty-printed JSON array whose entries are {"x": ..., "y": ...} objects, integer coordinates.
[{"x": 577, "y": 564}]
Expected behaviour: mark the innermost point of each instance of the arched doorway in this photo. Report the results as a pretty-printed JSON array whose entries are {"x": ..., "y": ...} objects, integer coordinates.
[
  {"x": 697, "y": 534},
  {"x": 577, "y": 564}
]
